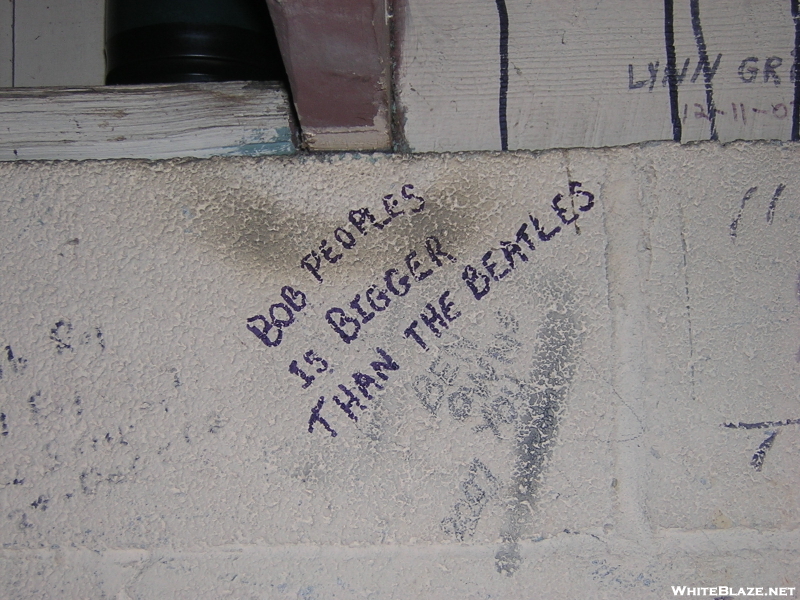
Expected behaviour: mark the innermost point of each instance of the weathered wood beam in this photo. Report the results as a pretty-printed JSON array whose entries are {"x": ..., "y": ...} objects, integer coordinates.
[
  {"x": 337, "y": 56},
  {"x": 145, "y": 121}
]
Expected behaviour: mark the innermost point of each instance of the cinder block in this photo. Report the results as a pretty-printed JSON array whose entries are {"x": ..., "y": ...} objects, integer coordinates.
[{"x": 450, "y": 376}]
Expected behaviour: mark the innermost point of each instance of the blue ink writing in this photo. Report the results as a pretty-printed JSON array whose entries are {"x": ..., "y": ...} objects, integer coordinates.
[
  {"x": 281, "y": 316},
  {"x": 310, "y": 357},
  {"x": 363, "y": 221},
  {"x": 348, "y": 398},
  {"x": 499, "y": 263},
  {"x": 377, "y": 299},
  {"x": 434, "y": 320}
]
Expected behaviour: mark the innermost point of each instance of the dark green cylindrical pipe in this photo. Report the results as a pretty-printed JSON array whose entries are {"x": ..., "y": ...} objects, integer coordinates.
[{"x": 173, "y": 41}]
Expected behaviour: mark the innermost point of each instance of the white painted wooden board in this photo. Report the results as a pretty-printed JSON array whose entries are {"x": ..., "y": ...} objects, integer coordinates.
[
  {"x": 149, "y": 121},
  {"x": 59, "y": 43},
  {"x": 587, "y": 73},
  {"x": 752, "y": 89},
  {"x": 6, "y": 42}
]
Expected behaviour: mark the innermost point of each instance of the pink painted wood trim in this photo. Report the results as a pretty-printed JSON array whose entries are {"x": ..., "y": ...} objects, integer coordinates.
[{"x": 337, "y": 56}]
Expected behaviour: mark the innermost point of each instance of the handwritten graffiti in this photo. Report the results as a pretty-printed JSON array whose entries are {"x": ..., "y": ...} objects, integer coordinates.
[
  {"x": 770, "y": 212},
  {"x": 11, "y": 364},
  {"x": 362, "y": 383},
  {"x": 436, "y": 315},
  {"x": 435, "y": 321},
  {"x": 477, "y": 489},
  {"x": 66, "y": 339},
  {"x": 480, "y": 281},
  {"x": 740, "y": 112},
  {"x": 511, "y": 387},
  {"x": 468, "y": 381},
  {"x": 281, "y": 316},
  {"x": 749, "y": 70},
  {"x": 772, "y": 70},
  {"x": 757, "y": 461},
  {"x": 360, "y": 222},
  {"x": 311, "y": 358},
  {"x": 378, "y": 298}
]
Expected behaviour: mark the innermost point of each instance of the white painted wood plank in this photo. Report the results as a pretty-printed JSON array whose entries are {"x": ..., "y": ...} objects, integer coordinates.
[
  {"x": 588, "y": 73},
  {"x": 155, "y": 121},
  {"x": 749, "y": 106},
  {"x": 568, "y": 76},
  {"x": 448, "y": 75},
  {"x": 6, "y": 42},
  {"x": 573, "y": 58},
  {"x": 60, "y": 43}
]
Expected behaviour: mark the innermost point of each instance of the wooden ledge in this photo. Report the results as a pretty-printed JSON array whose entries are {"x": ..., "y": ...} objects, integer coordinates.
[{"x": 145, "y": 121}]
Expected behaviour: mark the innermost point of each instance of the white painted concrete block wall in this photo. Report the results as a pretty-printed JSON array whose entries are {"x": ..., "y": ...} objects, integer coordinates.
[{"x": 614, "y": 415}]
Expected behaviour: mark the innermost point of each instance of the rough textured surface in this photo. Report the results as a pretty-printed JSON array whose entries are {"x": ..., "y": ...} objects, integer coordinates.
[{"x": 572, "y": 373}]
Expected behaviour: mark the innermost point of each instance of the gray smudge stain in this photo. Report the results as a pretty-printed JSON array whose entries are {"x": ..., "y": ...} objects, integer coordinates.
[
  {"x": 552, "y": 372},
  {"x": 253, "y": 232},
  {"x": 262, "y": 232}
]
